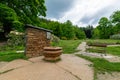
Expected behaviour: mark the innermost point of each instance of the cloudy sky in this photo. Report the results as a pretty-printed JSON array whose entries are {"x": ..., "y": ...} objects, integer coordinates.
[{"x": 80, "y": 12}]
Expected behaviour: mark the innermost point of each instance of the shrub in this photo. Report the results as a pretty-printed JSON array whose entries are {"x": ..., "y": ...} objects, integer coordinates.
[
  {"x": 15, "y": 39},
  {"x": 63, "y": 38},
  {"x": 116, "y": 36}
]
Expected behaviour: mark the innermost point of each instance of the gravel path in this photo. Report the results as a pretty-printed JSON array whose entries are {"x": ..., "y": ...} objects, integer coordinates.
[{"x": 70, "y": 67}]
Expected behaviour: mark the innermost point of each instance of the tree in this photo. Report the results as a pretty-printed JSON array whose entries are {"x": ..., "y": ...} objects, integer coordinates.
[
  {"x": 8, "y": 18},
  {"x": 115, "y": 18},
  {"x": 15, "y": 13},
  {"x": 68, "y": 30},
  {"x": 96, "y": 33},
  {"x": 104, "y": 28},
  {"x": 88, "y": 31},
  {"x": 27, "y": 10},
  {"x": 79, "y": 33}
]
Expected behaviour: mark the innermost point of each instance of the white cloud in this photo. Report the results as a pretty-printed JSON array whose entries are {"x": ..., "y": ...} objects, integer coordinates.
[{"x": 85, "y": 12}]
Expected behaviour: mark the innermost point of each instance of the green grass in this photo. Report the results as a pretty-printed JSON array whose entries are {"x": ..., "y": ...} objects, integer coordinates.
[
  {"x": 107, "y": 41},
  {"x": 69, "y": 46},
  {"x": 11, "y": 55},
  {"x": 101, "y": 65},
  {"x": 107, "y": 50},
  {"x": 97, "y": 50},
  {"x": 113, "y": 50},
  {"x": 11, "y": 48}
]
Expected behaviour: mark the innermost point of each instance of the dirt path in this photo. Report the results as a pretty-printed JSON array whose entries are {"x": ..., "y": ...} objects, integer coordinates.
[{"x": 70, "y": 67}]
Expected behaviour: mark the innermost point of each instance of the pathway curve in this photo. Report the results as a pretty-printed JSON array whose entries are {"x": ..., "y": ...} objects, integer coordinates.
[{"x": 70, "y": 67}]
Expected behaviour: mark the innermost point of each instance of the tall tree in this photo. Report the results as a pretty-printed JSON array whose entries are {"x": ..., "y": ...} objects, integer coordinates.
[
  {"x": 115, "y": 18},
  {"x": 96, "y": 33},
  {"x": 15, "y": 13},
  {"x": 8, "y": 18},
  {"x": 27, "y": 10},
  {"x": 104, "y": 28},
  {"x": 88, "y": 31}
]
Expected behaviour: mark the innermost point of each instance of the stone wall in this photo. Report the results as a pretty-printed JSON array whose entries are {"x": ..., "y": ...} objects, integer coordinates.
[{"x": 36, "y": 40}]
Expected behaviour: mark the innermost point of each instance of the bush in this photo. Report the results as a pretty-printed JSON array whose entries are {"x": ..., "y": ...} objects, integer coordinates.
[
  {"x": 55, "y": 39},
  {"x": 15, "y": 39},
  {"x": 63, "y": 38},
  {"x": 116, "y": 36}
]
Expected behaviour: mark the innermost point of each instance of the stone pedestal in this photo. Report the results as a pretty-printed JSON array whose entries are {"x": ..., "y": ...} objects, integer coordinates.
[{"x": 52, "y": 53}]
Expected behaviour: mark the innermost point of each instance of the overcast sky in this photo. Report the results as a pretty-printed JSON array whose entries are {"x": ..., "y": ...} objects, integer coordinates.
[{"x": 81, "y": 12}]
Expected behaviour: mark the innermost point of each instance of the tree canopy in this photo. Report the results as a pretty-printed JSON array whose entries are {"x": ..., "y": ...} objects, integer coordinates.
[{"x": 15, "y": 13}]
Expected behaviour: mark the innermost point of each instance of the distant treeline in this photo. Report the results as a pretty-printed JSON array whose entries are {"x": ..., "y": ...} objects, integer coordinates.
[{"x": 16, "y": 13}]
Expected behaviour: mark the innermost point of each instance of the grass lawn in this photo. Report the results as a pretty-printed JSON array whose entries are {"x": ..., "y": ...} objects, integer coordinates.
[
  {"x": 107, "y": 41},
  {"x": 69, "y": 46},
  {"x": 11, "y": 55},
  {"x": 101, "y": 65},
  {"x": 113, "y": 50},
  {"x": 108, "y": 50}
]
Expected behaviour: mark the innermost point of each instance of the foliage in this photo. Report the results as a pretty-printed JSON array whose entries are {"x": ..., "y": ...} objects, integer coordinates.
[
  {"x": 108, "y": 27},
  {"x": 7, "y": 17},
  {"x": 88, "y": 31},
  {"x": 27, "y": 10},
  {"x": 96, "y": 33},
  {"x": 15, "y": 13},
  {"x": 68, "y": 30},
  {"x": 69, "y": 46},
  {"x": 65, "y": 31},
  {"x": 115, "y": 17},
  {"x": 104, "y": 28},
  {"x": 15, "y": 40},
  {"x": 55, "y": 39},
  {"x": 116, "y": 36},
  {"x": 79, "y": 33}
]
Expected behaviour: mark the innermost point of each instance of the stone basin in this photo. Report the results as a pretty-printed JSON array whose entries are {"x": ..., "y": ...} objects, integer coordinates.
[{"x": 52, "y": 53}]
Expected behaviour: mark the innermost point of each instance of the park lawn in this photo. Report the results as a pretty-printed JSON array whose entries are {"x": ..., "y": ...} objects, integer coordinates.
[
  {"x": 101, "y": 65},
  {"x": 69, "y": 46},
  {"x": 11, "y": 55},
  {"x": 113, "y": 50},
  {"x": 108, "y": 50},
  {"x": 106, "y": 41}
]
